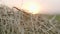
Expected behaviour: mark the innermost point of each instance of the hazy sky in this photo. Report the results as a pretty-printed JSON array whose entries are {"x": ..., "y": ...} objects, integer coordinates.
[{"x": 49, "y": 6}]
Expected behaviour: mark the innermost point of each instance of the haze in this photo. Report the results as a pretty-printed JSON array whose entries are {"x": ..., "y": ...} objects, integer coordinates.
[{"x": 48, "y": 6}]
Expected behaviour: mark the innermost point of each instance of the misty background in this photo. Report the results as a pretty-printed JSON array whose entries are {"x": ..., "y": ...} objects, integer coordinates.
[{"x": 48, "y": 6}]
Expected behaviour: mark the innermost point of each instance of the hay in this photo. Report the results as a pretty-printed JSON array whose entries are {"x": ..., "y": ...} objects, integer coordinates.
[{"x": 14, "y": 21}]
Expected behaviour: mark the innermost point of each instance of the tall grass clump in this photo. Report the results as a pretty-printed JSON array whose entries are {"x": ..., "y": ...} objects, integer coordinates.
[{"x": 16, "y": 21}]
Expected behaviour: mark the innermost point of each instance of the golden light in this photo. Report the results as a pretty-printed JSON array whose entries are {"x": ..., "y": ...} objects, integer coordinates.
[{"x": 33, "y": 8}]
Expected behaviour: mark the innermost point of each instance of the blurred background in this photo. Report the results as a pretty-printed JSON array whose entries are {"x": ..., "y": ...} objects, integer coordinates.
[{"x": 46, "y": 6}]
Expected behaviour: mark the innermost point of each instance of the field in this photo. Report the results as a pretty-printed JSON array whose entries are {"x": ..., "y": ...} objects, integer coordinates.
[{"x": 57, "y": 17}]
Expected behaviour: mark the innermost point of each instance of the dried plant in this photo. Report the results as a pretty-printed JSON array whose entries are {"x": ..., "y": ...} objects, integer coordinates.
[{"x": 16, "y": 21}]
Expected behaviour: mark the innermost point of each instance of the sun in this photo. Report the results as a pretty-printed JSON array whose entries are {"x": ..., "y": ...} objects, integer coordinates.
[{"x": 33, "y": 8}]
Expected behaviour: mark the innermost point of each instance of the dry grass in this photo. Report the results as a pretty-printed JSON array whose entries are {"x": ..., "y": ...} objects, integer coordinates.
[{"x": 13, "y": 21}]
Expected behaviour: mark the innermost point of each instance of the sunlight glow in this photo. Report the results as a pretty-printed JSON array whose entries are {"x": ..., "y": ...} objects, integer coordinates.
[{"x": 33, "y": 8}]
